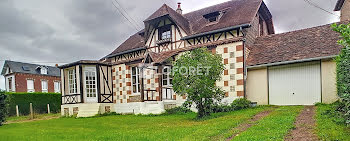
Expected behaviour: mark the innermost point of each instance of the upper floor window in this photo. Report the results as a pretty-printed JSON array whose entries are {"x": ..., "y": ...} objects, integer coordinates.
[
  {"x": 10, "y": 84},
  {"x": 135, "y": 79},
  {"x": 43, "y": 70},
  {"x": 212, "y": 17},
  {"x": 165, "y": 32},
  {"x": 44, "y": 86},
  {"x": 72, "y": 87}
]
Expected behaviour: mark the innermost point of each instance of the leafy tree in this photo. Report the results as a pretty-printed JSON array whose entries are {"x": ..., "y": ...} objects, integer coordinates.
[
  {"x": 194, "y": 75},
  {"x": 343, "y": 69}
]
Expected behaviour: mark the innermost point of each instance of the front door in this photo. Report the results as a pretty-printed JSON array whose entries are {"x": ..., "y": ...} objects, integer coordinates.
[{"x": 90, "y": 82}]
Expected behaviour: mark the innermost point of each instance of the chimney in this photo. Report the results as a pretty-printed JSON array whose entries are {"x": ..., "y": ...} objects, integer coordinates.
[
  {"x": 179, "y": 10},
  {"x": 56, "y": 65}
]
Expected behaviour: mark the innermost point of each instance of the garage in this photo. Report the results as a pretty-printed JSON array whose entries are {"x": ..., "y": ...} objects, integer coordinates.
[{"x": 295, "y": 84}]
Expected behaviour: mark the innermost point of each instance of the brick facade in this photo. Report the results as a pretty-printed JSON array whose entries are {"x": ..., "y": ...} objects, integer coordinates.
[
  {"x": 345, "y": 11},
  {"x": 21, "y": 82}
]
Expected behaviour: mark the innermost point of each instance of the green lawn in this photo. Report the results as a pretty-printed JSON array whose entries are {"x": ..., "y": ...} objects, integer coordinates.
[
  {"x": 273, "y": 127},
  {"x": 128, "y": 127},
  {"x": 327, "y": 129}
]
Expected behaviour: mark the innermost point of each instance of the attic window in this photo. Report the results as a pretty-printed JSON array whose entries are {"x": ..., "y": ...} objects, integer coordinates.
[
  {"x": 43, "y": 70},
  {"x": 212, "y": 17}
]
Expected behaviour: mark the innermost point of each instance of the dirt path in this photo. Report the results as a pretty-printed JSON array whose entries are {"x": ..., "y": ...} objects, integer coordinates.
[
  {"x": 241, "y": 128},
  {"x": 304, "y": 124},
  {"x": 30, "y": 120}
]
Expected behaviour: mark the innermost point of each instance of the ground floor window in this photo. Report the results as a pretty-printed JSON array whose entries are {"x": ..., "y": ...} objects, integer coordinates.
[
  {"x": 135, "y": 79},
  {"x": 30, "y": 85},
  {"x": 72, "y": 86},
  {"x": 44, "y": 86}
]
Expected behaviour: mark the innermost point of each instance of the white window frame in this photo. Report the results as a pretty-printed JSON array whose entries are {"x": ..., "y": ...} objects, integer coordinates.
[
  {"x": 137, "y": 82},
  {"x": 72, "y": 81},
  {"x": 43, "y": 70},
  {"x": 28, "y": 88},
  {"x": 57, "y": 86},
  {"x": 168, "y": 77},
  {"x": 44, "y": 86},
  {"x": 9, "y": 83}
]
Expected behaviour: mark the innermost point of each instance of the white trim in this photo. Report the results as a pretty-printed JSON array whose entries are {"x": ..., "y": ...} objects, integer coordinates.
[{"x": 44, "y": 88}]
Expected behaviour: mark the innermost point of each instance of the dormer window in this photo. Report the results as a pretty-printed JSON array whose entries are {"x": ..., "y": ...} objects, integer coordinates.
[
  {"x": 43, "y": 70},
  {"x": 212, "y": 17},
  {"x": 164, "y": 33}
]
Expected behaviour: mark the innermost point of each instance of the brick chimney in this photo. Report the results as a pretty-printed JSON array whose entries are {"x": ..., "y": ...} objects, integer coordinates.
[
  {"x": 344, "y": 7},
  {"x": 179, "y": 10},
  {"x": 56, "y": 65}
]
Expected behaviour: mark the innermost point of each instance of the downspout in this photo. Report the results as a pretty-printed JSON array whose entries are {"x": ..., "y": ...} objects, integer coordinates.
[{"x": 244, "y": 64}]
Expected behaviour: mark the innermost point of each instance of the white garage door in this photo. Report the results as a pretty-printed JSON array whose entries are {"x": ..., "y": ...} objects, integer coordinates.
[{"x": 296, "y": 84}]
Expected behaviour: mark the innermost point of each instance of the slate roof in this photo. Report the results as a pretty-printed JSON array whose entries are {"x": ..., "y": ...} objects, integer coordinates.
[
  {"x": 302, "y": 44},
  {"x": 237, "y": 12},
  {"x": 18, "y": 67}
]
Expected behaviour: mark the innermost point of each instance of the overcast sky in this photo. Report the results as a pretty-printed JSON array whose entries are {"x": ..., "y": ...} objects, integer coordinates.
[{"x": 63, "y": 31}]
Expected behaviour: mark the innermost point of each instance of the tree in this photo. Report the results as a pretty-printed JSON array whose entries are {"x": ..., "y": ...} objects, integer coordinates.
[
  {"x": 194, "y": 75},
  {"x": 343, "y": 69}
]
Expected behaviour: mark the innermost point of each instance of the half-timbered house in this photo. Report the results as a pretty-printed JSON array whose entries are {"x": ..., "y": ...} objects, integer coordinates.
[{"x": 134, "y": 78}]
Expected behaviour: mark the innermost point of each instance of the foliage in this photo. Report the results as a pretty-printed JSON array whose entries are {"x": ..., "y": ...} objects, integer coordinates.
[
  {"x": 3, "y": 109},
  {"x": 39, "y": 100},
  {"x": 127, "y": 127},
  {"x": 330, "y": 124},
  {"x": 199, "y": 89},
  {"x": 222, "y": 108},
  {"x": 178, "y": 110},
  {"x": 241, "y": 103},
  {"x": 343, "y": 69}
]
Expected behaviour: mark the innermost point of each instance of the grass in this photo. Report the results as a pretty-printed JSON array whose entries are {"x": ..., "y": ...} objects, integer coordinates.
[
  {"x": 326, "y": 128},
  {"x": 128, "y": 127},
  {"x": 274, "y": 126}
]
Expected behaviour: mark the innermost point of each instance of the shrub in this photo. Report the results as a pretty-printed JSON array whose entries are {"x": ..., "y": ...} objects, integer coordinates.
[
  {"x": 39, "y": 100},
  {"x": 240, "y": 103},
  {"x": 222, "y": 108},
  {"x": 343, "y": 67},
  {"x": 178, "y": 110},
  {"x": 3, "y": 106}
]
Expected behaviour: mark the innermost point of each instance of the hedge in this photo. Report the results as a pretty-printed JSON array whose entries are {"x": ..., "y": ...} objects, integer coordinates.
[
  {"x": 343, "y": 69},
  {"x": 39, "y": 100},
  {"x": 2, "y": 107}
]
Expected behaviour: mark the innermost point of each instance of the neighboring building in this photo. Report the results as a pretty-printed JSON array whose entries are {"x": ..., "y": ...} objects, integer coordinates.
[
  {"x": 344, "y": 7},
  {"x": 25, "y": 77},
  {"x": 134, "y": 79}
]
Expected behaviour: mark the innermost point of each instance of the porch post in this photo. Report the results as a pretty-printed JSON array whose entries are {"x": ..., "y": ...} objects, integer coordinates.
[
  {"x": 98, "y": 83},
  {"x": 81, "y": 84},
  {"x": 142, "y": 87},
  {"x": 160, "y": 77}
]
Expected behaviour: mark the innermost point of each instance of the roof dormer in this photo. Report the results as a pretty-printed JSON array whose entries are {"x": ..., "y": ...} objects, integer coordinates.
[{"x": 42, "y": 70}]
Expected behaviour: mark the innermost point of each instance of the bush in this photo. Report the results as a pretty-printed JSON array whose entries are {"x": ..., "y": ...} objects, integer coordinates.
[
  {"x": 3, "y": 110},
  {"x": 240, "y": 103},
  {"x": 39, "y": 100},
  {"x": 343, "y": 67},
  {"x": 178, "y": 110},
  {"x": 222, "y": 108}
]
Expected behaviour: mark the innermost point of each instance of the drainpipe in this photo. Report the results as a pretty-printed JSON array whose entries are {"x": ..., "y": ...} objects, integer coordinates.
[{"x": 244, "y": 64}]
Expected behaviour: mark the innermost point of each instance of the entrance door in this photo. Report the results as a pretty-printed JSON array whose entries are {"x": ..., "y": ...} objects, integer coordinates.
[
  {"x": 90, "y": 84},
  {"x": 296, "y": 84},
  {"x": 167, "y": 90}
]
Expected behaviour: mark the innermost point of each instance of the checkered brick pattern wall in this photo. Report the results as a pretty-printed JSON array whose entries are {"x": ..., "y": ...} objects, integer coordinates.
[
  {"x": 121, "y": 83},
  {"x": 232, "y": 78},
  {"x": 151, "y": 82}
]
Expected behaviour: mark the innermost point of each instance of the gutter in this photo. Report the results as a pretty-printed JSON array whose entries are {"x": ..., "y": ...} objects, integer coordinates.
[
  {"x": 128, "y": 51},
  {"x": 216, "y": 31},
  {"x": 291, "y": 62}
]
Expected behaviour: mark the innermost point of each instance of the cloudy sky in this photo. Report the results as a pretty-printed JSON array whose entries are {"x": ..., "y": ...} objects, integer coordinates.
[{"x": 62, "y": 31}]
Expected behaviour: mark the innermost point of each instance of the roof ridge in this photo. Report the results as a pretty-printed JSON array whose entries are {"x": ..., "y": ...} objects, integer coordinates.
[
  {"x": 29, "y": 63},
  {"x": 208, "y": 7},
  {"x": 298, "y": 30}
]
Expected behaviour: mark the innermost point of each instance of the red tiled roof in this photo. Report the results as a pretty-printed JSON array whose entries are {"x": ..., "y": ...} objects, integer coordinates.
[
  {"x": 133, "y": 42},
  {"x": 308, "y": 43}
]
